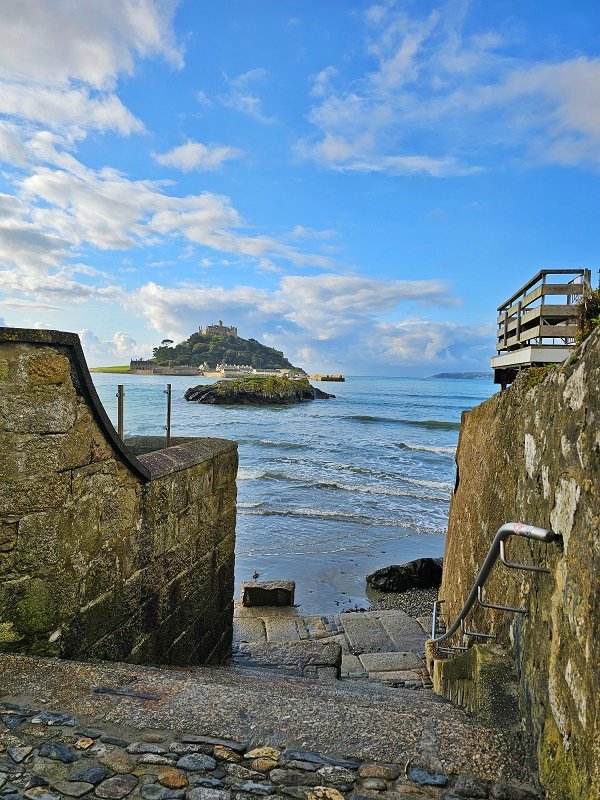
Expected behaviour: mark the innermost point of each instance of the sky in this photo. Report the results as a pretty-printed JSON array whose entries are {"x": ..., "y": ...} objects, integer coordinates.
[{"x": 357, "y": 184}]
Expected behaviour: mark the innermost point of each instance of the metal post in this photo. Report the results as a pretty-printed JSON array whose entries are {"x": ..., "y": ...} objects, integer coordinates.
[
  {"x": 120, "y": 397},
  {"x": 167, "y": 391}
]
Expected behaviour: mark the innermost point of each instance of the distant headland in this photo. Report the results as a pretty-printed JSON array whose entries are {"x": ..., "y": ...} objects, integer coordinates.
[{"x": 480, "y": 376}]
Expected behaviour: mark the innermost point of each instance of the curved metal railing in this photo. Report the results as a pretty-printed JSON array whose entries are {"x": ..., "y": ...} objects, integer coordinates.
[{"x": 496, "y": 551}]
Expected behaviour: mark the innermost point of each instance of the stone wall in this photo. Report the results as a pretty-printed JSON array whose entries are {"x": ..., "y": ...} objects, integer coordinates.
[
  {"x": 533, "y": 455},
  {"x": 105, "y": 553}
]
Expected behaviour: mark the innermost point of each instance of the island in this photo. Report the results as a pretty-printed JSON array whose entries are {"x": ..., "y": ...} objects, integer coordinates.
[{"x": 256, "y": 390}]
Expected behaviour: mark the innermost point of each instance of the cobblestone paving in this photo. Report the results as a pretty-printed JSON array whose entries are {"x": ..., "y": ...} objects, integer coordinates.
[{"x": 46, "y": 755}]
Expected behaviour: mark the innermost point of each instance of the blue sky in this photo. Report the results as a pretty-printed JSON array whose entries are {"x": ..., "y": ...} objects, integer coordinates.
[{"x": 359, "y": 184}]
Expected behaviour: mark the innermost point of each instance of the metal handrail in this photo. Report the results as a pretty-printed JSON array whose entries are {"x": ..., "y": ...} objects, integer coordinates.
[{"x": 509, "y": 529}]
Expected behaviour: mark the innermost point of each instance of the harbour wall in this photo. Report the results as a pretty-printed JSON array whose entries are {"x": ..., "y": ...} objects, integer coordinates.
[
  {"x": 106, "y": 551},
  {"x": 532, "y": 454}
]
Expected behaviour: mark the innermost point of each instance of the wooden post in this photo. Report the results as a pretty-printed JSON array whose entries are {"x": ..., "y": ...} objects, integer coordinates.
[
  {"x": 120, "y": 405},
  {"x": 505, "y": 327},
  {"x": 519, "y": 322}
]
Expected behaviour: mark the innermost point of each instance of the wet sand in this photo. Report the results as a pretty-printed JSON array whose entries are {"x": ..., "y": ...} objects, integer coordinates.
[{"x": 336, "y": 582}]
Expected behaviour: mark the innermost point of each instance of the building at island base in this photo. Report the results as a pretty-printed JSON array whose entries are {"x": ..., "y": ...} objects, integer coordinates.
[{"x": 537, "y": 325}]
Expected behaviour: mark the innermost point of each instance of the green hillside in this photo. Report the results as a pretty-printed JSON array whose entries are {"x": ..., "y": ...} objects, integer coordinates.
[{"x": 203, "y": 348}]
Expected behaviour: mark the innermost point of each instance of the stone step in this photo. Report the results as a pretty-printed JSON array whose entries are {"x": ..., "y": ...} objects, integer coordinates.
[
  {"x": 368, "y": 722},
  {"x": 317, "y": 660}
]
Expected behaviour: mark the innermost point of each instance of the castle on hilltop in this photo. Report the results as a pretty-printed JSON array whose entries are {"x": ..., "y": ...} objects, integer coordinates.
[{"x": 218, "y": 329}]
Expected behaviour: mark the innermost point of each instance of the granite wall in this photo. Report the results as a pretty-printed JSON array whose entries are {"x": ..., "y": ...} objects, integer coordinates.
[
  {"x": 532, "y": 454},
  {"x": 106, "y": 551}
]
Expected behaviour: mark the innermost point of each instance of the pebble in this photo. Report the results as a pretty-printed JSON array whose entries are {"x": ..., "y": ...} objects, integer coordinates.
[
  {"x": 305, "y": 765},
  {"x": 73, "y": 788},
  {"x": 19, "y": 754},
  {"x": 196, "y": 761},
  {"x": 375, "y": 784},
  {"x": 172, "y": 778},
  {"x": 208, "y": 783},
  {"x": 292, "y": 777},
  {"x": 182, "y": 749},
  {"x": 317, "y": 758},
  {"x": 38, "y": 793},
  {"x": 51, "y": 718},
  {"x": 226, "y": 754},
  {"x": 117, "y": 787},
  {"x": 386, "y": 771},
  {"x": 203, "y": 793},
  {"x": 191, "y": 739},
  {"x": 324, "y": 793},
  {"x": 84, "y": 743},
  {"x": 425, "y": 778},
  {"x": 93, "y": 774},
  {"x": 114, "y": 740},
  {"x": 264, "y": 752},
  {"x": 153, "y": 758},
  {"x": 242, "y": 773},
  {"x": 262, "y": 764},
  {"x": 297, "y": 792},
  {"x": 336, "y": 775},
  {"x": 153, "y": 792},
  {"x": 118, "y": 761},
  {"x": 12, "y": 721},
  {"x": 57, "y": 752},
  {"x": 253, "y": 788}
]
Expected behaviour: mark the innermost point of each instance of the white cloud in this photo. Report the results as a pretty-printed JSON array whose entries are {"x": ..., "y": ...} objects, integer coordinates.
[
  {"x": 59, "y": 62},
  {"x": 325, "y": 319},
  {"x": 420, "y": 341},
  {"x": 62, "y": 107},
  {"x": 439, "y": 99},
  {"x": 84, "y": 41},
  {"x": 239, "y": 96},
  {"x": 121, "y": 348},
  {"x": 195, "y": 155}
]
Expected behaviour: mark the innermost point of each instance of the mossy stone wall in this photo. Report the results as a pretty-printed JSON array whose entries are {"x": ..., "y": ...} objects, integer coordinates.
[
  {"x": 533, "y": 456},
  {"x": 104, "y": 554}
]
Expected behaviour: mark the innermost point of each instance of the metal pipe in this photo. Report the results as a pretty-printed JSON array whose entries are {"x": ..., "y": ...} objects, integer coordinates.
[
  {"x": 167, "y": 391},
  {"x": 516, "y": 565},
  {"x": 120, "y": 406},
  {"x": 511, "y": 609},
  {"x": 508, "y": 529}
]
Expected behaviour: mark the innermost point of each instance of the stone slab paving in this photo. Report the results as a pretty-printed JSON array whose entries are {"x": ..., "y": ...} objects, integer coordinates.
[
  {"x": 72, "y": 729},
  {"x": 373, "y": 643}
]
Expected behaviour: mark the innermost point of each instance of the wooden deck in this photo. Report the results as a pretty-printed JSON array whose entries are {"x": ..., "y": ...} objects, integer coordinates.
[{"x": 539, "y": 321}]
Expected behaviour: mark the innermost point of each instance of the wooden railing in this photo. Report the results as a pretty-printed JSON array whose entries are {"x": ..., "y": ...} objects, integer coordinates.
[{"x": 528, "y": 318}]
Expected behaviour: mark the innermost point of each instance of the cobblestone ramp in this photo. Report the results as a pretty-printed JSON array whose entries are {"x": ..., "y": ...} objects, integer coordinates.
[{"x": 357, "y": 720}]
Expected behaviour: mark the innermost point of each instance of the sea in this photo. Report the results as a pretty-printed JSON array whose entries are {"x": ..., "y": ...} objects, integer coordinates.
[{"x": 328, "y": 490}]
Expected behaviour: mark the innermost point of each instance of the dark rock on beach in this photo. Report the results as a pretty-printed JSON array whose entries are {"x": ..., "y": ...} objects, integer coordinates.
[
  {"x": 421, "y": 573},
  {"x": 256, "y": 390}
]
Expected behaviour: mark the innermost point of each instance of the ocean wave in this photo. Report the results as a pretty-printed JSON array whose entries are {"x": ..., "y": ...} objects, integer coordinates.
[
  {"x": 426, "y": 448},
  {"x": 390, "y": 491},
  {"x": 314, "y": 513},
  {"x": 409, "y": 524},
  {"x": 429, "y": 424}
]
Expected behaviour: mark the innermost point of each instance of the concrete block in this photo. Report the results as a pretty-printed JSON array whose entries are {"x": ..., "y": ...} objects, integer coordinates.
[{"x": 268, "y": 593}]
